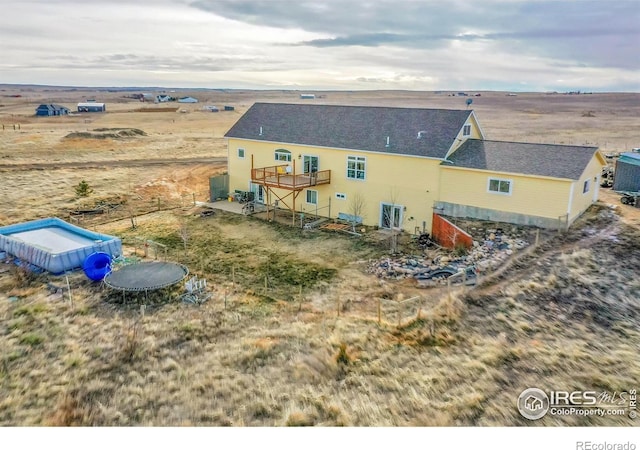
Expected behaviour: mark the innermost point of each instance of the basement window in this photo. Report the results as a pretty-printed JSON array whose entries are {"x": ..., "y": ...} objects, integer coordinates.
[
  {"x": 466, "y": 130},
  {"x": 585, "y": 187},
  {"x": 241, "y": 153},
  {"x": 312, "y": 197},
  {"x": 283, "y": 155},
  {"x": 499, "y": 186},
  {"x": 341, "y": 196}
]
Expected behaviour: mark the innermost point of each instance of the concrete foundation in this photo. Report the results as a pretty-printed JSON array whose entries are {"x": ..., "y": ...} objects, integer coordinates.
[{"x": 473, "y": 212}]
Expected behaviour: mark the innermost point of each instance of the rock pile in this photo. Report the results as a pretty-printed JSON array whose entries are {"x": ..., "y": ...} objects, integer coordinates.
[{"x": 484, "y": 256}]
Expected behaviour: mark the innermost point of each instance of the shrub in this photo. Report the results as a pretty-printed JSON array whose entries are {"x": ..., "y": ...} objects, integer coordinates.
[{"x": 83, "y": 189}]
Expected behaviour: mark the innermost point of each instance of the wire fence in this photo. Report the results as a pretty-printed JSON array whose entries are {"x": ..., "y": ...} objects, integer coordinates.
[{"x": 132, "y": 206}]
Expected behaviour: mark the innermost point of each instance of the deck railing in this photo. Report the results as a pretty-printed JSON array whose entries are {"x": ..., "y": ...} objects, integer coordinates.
[{"x": 277, "y": 176}]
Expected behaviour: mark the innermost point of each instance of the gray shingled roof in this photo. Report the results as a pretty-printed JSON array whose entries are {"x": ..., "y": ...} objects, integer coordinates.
[
  {"x": 559, "y": 161},
  {"x": 354, "y": 127}
]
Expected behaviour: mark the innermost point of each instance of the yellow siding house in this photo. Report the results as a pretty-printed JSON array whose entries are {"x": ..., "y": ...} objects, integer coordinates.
[{"x": 396, "y": 167}]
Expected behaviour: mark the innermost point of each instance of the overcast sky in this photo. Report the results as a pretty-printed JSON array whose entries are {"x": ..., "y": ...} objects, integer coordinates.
[{"x": 520, "y": 45}]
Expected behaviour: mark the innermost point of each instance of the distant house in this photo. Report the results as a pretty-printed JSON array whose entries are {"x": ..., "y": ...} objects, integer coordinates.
[
  {"x": 51, "y": 110},
  {"x": 91, "y": 107},
  {"x": 308, "y": 96},
  {"x": 187, "y": 100},
  {"x": 211, "y": 108},
  {"x": 164, "y": 98}
]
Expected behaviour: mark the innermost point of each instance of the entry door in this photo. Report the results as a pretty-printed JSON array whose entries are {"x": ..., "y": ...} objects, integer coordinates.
[
  {"x": 258, "y": 192},
  {"x": 309, "y": 164},
  {"x": 390, "y": 216}
]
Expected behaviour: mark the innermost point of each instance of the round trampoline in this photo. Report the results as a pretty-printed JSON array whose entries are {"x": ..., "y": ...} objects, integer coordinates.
[{"x": 146, "y": 276}]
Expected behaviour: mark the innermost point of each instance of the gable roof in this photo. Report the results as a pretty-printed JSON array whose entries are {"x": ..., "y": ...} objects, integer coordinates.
[
  {"x": 354, "y": 127},
  {"x": 557, "y": 161},
  {"x": 630, "y": 158},
  {"x": 51, "y": 107}
]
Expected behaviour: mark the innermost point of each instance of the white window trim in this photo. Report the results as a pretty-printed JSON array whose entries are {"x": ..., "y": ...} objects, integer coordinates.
[
  {"x": 243, "y": 153},
  {"x": 586, "y": 187},
  {"x": 284, "y": 152},
  {"x": 464, "y": 128},
  {"x": 303, "y": 157},
  {"x": 400, "y": 218},
  {"x": 356, "y": 160},
  {"x": 499, "y": 179},
  {"x": 307, "y": 197}
]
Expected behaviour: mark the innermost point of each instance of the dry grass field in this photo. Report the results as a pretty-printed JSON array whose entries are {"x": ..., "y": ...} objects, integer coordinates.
[{"x": 305, "y": 348}]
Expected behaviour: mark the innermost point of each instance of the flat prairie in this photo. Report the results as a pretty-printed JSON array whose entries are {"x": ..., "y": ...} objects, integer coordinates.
[{"x": 296, "y": 331}]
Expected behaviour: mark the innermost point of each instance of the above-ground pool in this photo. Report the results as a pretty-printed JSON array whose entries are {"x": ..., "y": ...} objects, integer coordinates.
[{"x": 55, "y": 245}]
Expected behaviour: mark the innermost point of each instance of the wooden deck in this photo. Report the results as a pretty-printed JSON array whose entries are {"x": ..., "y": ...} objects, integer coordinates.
[{"x": 277, "y": 177}]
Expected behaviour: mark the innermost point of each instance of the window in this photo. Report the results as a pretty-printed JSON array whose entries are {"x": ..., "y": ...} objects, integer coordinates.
[
  {"x": 499, "y": 186},
  {"x": 466, "y": 130},
  {"x": 356, "y": 167},
  {"x": 240, "y": 153},
  {"x": 341, "y": 196},
  {"x": 390, "y": 215},
  {"x": 312, "y": 197},
  {"x": 585, "y": 187},
  {"x": 283, "y": 155},
  {"x": 309, "y": 164}
]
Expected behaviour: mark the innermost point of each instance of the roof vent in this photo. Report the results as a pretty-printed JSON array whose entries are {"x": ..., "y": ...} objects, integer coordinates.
[
  {"x": 421, "y": 134},
  {"x": 260, "y": 134},
  {"x": 388, "y": 144}
]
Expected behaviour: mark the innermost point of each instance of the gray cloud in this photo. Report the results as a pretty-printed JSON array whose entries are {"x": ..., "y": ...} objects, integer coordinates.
[
  {"x": 591, "y": 32},
  {"x": 331, "y": 44}
]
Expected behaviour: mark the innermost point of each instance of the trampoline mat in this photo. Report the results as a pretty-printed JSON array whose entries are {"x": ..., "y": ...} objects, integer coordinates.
[{"x": 146, "y": 276}]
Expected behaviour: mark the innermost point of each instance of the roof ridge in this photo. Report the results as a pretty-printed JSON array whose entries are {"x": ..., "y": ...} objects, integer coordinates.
[
  {"x": 361, "y": 106},
  {"x": 533, "y": 143}
]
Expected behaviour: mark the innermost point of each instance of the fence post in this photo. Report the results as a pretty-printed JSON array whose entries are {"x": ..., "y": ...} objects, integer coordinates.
[
  {"x": 69, "y": 291},
  {"x": 338, "y": 305},
  {"x": 300, "y": 295},
  {"x": 233, "y": 277}
]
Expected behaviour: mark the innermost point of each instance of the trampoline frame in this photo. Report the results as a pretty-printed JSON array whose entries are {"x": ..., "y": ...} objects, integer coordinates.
[{"x": 150, "y": 287}]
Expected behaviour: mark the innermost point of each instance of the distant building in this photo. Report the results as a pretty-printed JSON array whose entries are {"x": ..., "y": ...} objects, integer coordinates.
[
  {"x": 228, "y": 108},
  {"x": 187, "y": 100},
  {"x": 211, "y": 108},
  {"x": 164, "y": 98},
  {"x": 51, "y": 110},
  {"x": 91, "y": 107},
  {"x": 627, "y": 173},
  {"x": 308, "y": 96}
]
